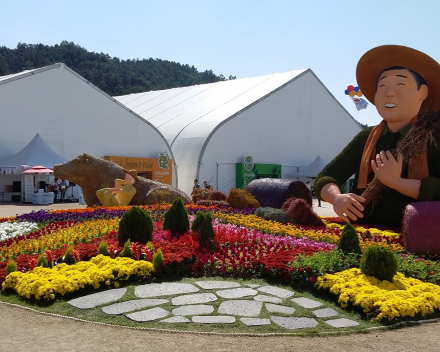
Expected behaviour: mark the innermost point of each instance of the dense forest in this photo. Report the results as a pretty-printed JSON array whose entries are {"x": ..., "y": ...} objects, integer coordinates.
[{"x": 112, "y": 75}]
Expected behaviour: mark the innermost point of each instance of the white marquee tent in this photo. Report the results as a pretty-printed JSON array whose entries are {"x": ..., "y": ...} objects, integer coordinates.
[
  {"x": 72, "y": 116},
  {"x": 284, "y": 118},
  {"x": 312, "y": 170}
]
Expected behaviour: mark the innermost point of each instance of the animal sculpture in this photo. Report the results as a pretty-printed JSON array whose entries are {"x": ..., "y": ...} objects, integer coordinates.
[{"x": 92, "y": 173}]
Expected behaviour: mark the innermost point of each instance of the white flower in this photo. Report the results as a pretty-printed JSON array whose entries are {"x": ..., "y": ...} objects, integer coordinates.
[{"x": 12, "y": 229}]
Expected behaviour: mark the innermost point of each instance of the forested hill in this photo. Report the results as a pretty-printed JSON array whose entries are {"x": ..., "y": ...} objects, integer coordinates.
[{"x": 112, "y": 75}]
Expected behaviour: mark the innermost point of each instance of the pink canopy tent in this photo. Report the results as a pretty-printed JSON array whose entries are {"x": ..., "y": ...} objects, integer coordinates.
[
  {"x": 31, "y": 178},
  {"x": 38, "y": 170}
]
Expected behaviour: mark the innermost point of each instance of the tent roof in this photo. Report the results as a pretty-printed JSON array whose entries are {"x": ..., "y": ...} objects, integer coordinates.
[
  {"x": 37, "y": 152},
  {"x": 312, "y": 170},
  {"x": 38, "y": 170},
  {"x": 197, "y": 110}
]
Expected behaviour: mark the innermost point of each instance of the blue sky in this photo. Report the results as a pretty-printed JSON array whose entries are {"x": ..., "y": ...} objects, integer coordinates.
[{"x": 239, "y": 38}]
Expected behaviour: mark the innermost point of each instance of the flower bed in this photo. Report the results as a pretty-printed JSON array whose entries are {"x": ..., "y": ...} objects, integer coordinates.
[{"x": 243, "y": 246}]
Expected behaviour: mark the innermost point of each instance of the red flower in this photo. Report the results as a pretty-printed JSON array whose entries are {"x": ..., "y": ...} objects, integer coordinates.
[{"x": 312, "y": 279}]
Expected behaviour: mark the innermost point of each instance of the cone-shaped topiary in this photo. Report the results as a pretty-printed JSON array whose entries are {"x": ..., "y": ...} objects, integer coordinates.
[
  {"x": 349, "y": 240},
  {"x": 42, "y": 261},
  {"x": 202, "y": 224},
  {"x": 103, "y": 248},
  {"x": 380, "y": 262},
  {"x": 11, "y": 267},
  {"x": 157, "y": 260},
  {"x": 126, "y": 251},
  {"x": 135, "y": 225},
  {"x": 176, "y": 219},
  {"x": 68, "y": 258}
]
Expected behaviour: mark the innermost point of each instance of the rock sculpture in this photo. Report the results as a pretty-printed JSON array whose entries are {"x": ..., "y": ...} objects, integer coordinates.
[{"x": 92, "y": 173}]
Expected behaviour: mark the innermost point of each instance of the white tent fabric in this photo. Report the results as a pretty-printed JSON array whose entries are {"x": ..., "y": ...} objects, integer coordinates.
[
  {"x": 37, "y": 152},
  {"x": 283, "y": 118},
  {"x": 312, "y": 170}
]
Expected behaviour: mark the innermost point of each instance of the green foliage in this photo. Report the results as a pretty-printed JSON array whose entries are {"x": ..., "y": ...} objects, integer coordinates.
[
  {"x": 135, "y": 225},
  {"x": 202, "y": 225},
  {"x": 126, "y": 251},
  {"x": 305, "y": 267},
  {"x": 68, "y": 257},
  {"x": 103, "y": 248},
  {"x": 349, "y": 240},
  {"x": 150, "y": 246},
  {"x": 419, "y": 268},
  {"x": 380, "y": 262},
  {"x": 272, "y": 214},
  {"x": 42, "y": 261},
  {"x": 11, "y": 267},
  {"x": 157, "y": 260},
  {"x": 241, "y": 199},
  {"x": 176, "y": 219},
  {"x": 112, "y": 75}
]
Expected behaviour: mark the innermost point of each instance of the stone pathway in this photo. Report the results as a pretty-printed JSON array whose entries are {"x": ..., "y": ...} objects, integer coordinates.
[{"x": 191, "y": 304}]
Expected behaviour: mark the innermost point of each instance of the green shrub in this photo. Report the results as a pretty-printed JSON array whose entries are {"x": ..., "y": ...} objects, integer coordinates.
[
  {"x": 380, "y": 262},
  {"x": 42, "y": 261},
  {"x": 176, "y": 219},
  {"x": 349, "y": 240},
  {"x": 320, "y": 263},
  {"x": 202, "y": 225},
  {"x": 68, "y": 257},
  {"x": 272, "y": 214},
  {"x": 241, "y": 199},
  {"x": 103, "y": 248},
  {"x": 157, "y": 260},
  {"x": 126, "y": 251},
  {"x": 11, "y": 267},
  {"x": 136, "y": 225}
]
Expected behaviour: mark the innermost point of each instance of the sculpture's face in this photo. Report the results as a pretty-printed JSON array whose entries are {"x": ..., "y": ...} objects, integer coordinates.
[{"x": 397, "y": 99}]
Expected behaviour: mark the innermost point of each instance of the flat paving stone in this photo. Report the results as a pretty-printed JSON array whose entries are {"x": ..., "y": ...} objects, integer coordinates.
[
  {"x": 276, "y": 291},
  {"x": 274, "y": 308},
  {"x": 306, "y": 302},
  {"x": 178, "y": 319},
  {"x": 325, "y": 313},
  {"x": 97, "y": 299},
  {"x": 198, "y": 309},
  {"x": 294, "y": 323},
  {"x": 270, "y": 299},
  {"x": 164, "y": 289},
  {"x": 255, "y": 321},
  {"x": 211, "y": 319},
  {"x": 148, "y": 315},
  {"x": 244, "y": 308},
  {"x": 195, "y": 298},
  {"x": 341, "y": 323},
  {"x": 237, "y": 292},
  {"x": 129, "y": 306},
  {"x": 212, "y": 284}
]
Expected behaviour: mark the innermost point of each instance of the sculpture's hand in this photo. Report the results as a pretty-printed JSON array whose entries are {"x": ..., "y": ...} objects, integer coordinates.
[
  {"x": 387, "y": 169},
  {"x": 348, "y": 206}
]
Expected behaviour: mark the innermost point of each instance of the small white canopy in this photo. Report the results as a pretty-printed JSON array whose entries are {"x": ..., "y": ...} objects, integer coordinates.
[
  {"x": 312, "y": 170},
  {"x": 37, "y": 152}
]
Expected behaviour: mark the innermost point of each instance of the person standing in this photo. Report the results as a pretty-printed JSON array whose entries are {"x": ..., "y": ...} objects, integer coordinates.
[
  {"x": 63, "y": 190},
  {"x": 55, "y": 188},
  {"x": 196, "y": 186},
  {"x": 206, "y": 185}
]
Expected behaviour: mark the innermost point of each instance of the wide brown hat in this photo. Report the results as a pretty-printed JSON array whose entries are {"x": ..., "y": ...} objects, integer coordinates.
[
  {"x": 374, "y": 61},
  {"x": 132, "y": 173}
]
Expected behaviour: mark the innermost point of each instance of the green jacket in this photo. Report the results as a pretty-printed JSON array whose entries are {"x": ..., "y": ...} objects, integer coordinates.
[{"x": 388, "y": 211}]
